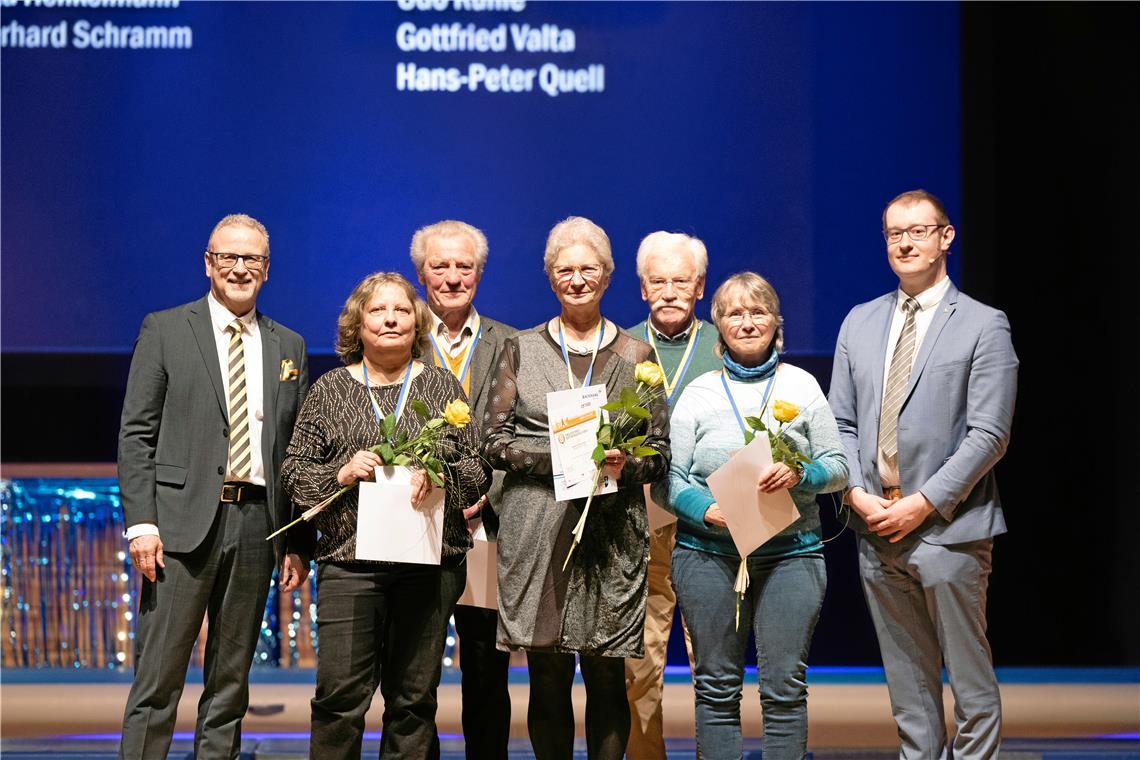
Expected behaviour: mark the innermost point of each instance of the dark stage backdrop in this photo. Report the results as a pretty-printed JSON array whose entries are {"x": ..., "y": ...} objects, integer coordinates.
[{"x": 773, "y": 131}]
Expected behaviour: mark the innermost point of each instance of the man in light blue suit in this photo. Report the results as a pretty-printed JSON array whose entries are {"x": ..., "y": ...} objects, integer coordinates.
[{"x": 923, "y": 390}]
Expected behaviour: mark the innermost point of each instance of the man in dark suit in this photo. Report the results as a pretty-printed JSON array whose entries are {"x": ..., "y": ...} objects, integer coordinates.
[
  {"x": 213, "y": 390},
  {"x": 449, "y": 257},
  {"x": 923, "y": 391}
]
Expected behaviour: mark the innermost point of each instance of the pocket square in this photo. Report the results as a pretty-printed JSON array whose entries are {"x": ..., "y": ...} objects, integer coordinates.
[{"x": 288, "y": 371}]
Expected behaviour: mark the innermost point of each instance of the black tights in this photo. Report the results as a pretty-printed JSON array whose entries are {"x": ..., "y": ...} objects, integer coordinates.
[{"x": 550, "y": 715}]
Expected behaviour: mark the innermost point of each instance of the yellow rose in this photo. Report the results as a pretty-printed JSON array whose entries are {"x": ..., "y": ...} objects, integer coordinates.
[
  {"x": 457, "y": 413},
  {"x": 785, "y": 411},
  {"x": 649, "y": 373}
]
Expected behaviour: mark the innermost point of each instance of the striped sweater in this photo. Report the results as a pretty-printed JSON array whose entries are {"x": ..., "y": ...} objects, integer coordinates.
[{"x": 704, "y": 432}]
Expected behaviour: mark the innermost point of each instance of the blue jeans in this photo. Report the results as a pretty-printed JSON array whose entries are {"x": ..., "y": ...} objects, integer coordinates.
[{"x": 782, "y": 606}]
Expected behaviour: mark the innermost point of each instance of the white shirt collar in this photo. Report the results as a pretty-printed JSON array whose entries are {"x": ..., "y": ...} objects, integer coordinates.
[
  {"x": 221, "y": 317},
  {"x": 928, "y": 298},
  {"x": 439, "y": 329}
]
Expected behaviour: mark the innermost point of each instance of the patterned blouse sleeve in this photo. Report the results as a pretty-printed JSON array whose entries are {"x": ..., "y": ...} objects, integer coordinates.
[
  {"x": 650, "y": 469},
  {"x": 500, "y": 446},
  {"x": 308, "y": 474},
  {"x": 468, "y": 476}
]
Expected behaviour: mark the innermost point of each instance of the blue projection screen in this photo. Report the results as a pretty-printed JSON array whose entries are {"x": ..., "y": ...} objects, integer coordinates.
[{"x": 775, "y": 132}]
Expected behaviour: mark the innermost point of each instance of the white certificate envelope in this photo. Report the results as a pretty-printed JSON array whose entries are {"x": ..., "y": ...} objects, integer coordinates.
[
  {"x": 390, "y": 529},
  {"x": 753, "y": 517},
  {"x": 482, "y": 572},
  {"x": 659, "y": 517},
  {"x": 573, "y": 417}
]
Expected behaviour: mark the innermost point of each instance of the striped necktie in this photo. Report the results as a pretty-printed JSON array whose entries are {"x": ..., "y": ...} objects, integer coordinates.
[
  {"x": 239, "y": 405},
  {"x": 901, "y": 362}
]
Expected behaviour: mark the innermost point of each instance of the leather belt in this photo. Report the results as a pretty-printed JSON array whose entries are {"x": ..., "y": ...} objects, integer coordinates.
[
  {"x": 238, "y": 493},
  {"x": 892, "y": 492}
]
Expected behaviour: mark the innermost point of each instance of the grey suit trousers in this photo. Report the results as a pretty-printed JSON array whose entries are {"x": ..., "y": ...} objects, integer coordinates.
[
  {"x": 226, "y": 579},
  {"x": 928, "y": 602}
]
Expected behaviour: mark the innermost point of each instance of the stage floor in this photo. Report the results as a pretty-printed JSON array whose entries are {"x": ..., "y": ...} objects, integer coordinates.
[{"x": 1054, "y": 714}]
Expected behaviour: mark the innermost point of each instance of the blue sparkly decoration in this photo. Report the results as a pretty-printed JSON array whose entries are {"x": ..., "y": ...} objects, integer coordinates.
[{"x": 68, "y": 591}]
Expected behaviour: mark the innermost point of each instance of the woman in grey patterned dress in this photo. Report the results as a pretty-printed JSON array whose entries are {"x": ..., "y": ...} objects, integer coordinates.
[
  {"x": 378, "y": 622},
  {"x": 596, "y": 606}
]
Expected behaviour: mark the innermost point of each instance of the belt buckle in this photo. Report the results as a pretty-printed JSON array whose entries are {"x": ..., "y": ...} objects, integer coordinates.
[{"x": 231, "y": 493}]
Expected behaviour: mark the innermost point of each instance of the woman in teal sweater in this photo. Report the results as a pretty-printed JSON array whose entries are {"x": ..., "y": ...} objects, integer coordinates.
[{"x": 787, "y": 576}]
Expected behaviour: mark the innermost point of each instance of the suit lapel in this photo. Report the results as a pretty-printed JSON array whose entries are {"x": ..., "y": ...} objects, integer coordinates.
[
  {"x": 203, "y": 330},
  {"x": 881, "y": 329},
  {"x": 481, "y": 362},
  {"x": 941, "y": 316},
  {"x": 271, "y": 370}
]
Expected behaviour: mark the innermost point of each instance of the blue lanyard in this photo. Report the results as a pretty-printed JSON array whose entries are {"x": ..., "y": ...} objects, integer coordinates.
[
  {"x": 671, "y": 386},
  {"x": 732, "y": 401},
  {"x": 470, "y": 353},
  {"x": 566, "y": 354},
  {"x": 400, "y": 400}
]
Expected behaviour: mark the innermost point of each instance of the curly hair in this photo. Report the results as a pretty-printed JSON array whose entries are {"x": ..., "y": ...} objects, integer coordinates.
[{"x": 349, "y": 347}]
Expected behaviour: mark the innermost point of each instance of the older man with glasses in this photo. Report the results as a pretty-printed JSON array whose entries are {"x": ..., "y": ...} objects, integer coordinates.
[
  {"x": 213, "y": 392},
  {"x": 671, "y": 267}
]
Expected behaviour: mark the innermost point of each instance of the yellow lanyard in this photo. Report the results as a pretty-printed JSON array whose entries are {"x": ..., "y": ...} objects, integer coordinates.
[{"x": 679, "y": 373}]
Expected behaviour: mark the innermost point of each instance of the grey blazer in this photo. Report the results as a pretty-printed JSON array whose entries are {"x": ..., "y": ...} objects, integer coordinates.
[
  {"x": 173, "y": 438},
  {"x": 955, "y": 420},
  {"x": 483, "y": 368}
]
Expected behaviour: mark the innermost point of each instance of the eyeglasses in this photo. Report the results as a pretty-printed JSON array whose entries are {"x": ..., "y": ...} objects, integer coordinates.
[
  {"x": 680, "y": 284},
  {"x": 758, "y": 317},
  {"x": 589, "y": 273},
  {"x": 253, "y": 262},
  {"x": 915, "y": 231}
]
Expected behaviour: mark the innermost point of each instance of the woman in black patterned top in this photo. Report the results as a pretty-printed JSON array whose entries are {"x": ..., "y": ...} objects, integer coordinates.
[{"x": 377, "y": 622}]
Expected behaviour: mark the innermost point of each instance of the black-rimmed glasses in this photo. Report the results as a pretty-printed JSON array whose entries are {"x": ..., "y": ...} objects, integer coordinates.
[
  {"x": 915, "y": 232},
  {"x": 253, "y": 262}
]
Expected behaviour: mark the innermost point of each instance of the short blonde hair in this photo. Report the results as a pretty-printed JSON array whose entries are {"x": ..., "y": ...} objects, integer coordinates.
[
  {"x": 240, "y": 220},
  {"x": 661, "y": 239},
  {"x": 758, "y": 289},
  {"x": 574, "y": 230},
  {"x": 349, "y": 347},
  {"x": 448, "y": 228}
]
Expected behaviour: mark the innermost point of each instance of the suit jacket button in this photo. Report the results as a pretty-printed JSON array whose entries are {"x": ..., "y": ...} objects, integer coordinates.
[
  {"x": 225, "y": 432},
  {"x": 221, "y": 470}
]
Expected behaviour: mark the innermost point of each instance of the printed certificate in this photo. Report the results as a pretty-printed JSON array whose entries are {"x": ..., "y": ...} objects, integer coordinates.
[{"x": 574, "y": 415}]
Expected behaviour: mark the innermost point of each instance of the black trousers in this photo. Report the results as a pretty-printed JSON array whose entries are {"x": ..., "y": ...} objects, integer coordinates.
[
  {"x": 378, "y": 626},
  {"x": 227, "y": 579},
  {"x": 486, "y": 700}
]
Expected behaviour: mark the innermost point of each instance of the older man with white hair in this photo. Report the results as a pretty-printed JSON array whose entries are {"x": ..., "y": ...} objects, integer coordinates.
[
  {"x": 449, "y": 257},
  {"x": 671, "y": 267}
]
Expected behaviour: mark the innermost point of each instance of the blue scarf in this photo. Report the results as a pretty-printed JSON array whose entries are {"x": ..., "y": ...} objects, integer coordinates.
[{"x": 751, "y": 374}]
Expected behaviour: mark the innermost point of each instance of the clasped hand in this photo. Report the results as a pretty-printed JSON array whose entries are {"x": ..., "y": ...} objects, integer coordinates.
[{"x": 893, "y": 519}]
